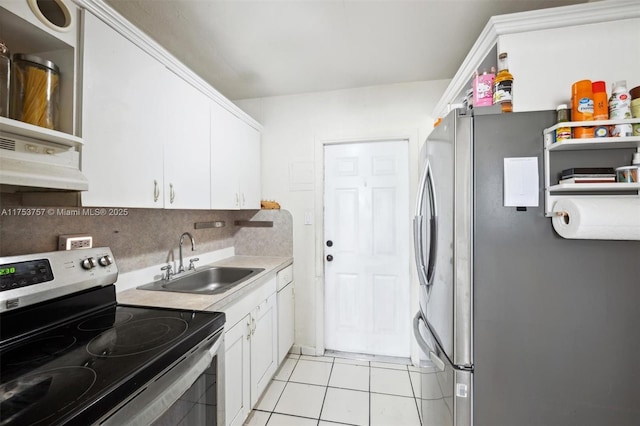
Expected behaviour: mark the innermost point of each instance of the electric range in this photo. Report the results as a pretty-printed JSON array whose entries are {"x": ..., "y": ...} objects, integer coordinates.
[{"x": 70, "y": 354}]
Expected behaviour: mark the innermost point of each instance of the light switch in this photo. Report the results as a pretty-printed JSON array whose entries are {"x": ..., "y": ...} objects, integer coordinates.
[{"x": 308, "y": 218}]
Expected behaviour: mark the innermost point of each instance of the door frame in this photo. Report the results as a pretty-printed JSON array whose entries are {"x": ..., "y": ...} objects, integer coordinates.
[{"x": 411, "y": 136}]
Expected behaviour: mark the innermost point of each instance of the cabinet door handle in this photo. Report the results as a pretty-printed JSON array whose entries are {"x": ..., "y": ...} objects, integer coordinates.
[
  {"x": 249, "y": 331},
  {"x": 172, "y": 193},
  {"x": 237, "y": 200},
  {"x": 156, "y": 191},
  {"x": 243, "y": 200},
  {"x": 253, "y": 327}
]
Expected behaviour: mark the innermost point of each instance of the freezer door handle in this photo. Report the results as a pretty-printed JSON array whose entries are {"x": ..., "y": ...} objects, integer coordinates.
[
  {"x": 437, "y": 361},
  {"x": 423, "y": 344}
]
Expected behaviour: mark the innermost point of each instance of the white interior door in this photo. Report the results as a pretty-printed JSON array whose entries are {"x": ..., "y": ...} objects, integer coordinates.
[{"x": 366, "y": 248}]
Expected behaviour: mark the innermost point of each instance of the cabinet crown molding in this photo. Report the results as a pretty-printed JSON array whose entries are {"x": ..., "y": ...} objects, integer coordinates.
[
  {"x": 522, "y": 22},
  {"x": 116, "y": 21}
]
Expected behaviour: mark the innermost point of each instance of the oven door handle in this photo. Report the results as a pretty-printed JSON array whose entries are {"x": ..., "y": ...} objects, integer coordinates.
[{"x": 149, "y": 405}]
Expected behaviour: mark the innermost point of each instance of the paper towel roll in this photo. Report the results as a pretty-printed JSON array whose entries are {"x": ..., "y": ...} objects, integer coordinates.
[{"x": 597, "y": 218}]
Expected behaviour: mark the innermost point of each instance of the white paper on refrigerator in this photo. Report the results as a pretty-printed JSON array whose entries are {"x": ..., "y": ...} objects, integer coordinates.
[{"x": 521, "y": 182}]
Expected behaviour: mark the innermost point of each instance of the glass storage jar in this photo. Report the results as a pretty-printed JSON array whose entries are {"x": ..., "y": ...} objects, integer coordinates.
[
  {"x": 5, "y": 72},
  {"x": 35, "y": 91}
]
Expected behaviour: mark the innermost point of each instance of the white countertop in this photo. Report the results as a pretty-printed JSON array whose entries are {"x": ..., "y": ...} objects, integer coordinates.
[{"x": 210, "y": 302}]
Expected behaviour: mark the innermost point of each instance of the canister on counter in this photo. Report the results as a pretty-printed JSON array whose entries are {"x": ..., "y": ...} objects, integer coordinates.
[
  {"x": 582, "y": 107},
  {"x": 35, "y": 91}
]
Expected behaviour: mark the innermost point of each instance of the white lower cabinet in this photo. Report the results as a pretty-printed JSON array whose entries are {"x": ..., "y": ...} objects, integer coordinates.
[
  {"x": 236, "y": 368},
  {"x": 286, "y": 311},
  {"x": 251, "y": 352},
  {"x": 264, "y": 346}
]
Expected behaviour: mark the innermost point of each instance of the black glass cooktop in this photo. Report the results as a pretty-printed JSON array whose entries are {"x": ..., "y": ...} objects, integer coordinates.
[{"x": 74, "y": 371}]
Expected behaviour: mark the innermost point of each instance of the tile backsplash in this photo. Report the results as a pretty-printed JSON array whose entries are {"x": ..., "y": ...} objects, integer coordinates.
[{"x": 143, "y": 237}]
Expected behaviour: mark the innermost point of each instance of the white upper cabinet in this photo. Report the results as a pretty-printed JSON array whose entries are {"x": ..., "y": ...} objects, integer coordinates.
[
  {"x": 235, "y": 162},
  {"x": 186, "y": 146},
  {"x": 122, "y": 120},
  {"x": 148, "y": 129},
  {"x": 156, "y": 135},
  {"x": 249, "y": 179}
]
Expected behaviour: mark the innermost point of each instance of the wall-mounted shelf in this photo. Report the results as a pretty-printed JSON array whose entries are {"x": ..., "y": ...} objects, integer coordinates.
[
  {"x": 254, "y": 223},
  {"x": 596, "y": 143},
  {"x": 579, "y": 187},
  {"x": 23, "y": 32},
  {"x": 20, "y": 128},
  {"x": 553, "y": 190}
]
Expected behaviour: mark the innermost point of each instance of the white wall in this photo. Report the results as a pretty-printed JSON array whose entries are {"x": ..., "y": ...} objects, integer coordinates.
[
  {"x": 546, "y": 63},
  {"x": 294, "y": 127}
]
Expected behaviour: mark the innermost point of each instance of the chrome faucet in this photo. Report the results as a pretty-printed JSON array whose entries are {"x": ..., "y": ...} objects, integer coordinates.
[{"x": 193, "y": 247}]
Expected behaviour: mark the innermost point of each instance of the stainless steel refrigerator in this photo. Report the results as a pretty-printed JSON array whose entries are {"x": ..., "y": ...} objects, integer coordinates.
[{"x": 518, "y": 326}]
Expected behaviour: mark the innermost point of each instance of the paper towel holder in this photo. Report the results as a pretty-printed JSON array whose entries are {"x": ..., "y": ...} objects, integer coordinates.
[{"x": 565, "y": 215}]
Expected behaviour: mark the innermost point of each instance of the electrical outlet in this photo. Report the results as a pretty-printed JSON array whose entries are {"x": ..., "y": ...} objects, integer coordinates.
[{"x": 74, "y": 242}]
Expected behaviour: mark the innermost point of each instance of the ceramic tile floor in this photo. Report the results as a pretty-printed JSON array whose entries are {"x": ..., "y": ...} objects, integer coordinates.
[{"x": 326, "y": 391}]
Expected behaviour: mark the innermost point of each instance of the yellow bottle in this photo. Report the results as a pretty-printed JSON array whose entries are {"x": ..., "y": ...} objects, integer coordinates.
[{"x": 503, "y": 84}]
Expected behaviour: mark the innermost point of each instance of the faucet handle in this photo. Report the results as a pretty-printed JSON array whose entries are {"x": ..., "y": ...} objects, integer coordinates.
[
  {"x": 191, "y": 263},
  {"x": 169, "y": 273}
]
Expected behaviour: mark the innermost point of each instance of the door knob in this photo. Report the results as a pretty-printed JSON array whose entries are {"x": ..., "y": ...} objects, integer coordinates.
[
  {"x": 329, "y": 243},
  {"x": 329, "y": 258}
]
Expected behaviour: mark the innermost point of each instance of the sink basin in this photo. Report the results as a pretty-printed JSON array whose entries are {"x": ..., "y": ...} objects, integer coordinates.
[{"x": 211, "y": 280}]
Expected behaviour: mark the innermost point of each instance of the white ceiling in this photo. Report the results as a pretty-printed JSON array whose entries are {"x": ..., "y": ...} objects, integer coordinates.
[{"x": 247, "y": 49}]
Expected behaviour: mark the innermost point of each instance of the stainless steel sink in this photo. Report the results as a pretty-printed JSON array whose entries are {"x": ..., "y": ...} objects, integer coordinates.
[{"x": 210, "y": 280}]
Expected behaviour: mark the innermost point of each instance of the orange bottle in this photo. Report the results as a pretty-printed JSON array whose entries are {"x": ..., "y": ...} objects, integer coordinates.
[
  {"x": 600, "y": 107},
  {"x": 582, "y": 107},
  {"x": 600, "y": 101}
]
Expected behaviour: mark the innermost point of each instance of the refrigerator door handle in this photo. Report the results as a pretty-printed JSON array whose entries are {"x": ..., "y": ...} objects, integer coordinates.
[
  {"x": 418, "y": 223},
  {"x": 426, "y": 272},
  {"x": 433, "y": 226},
  {"x": 419, "y": 250}
]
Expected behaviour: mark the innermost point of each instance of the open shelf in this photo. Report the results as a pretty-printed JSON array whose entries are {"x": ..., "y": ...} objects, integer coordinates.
[
  {"x": 615, "y": 189},
  {"x": 20, "y": 128},
  {"x": 577, "y": 187}
]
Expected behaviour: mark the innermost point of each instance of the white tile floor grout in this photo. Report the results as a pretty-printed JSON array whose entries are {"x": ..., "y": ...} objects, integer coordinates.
[{"x": 339, "y": 390}]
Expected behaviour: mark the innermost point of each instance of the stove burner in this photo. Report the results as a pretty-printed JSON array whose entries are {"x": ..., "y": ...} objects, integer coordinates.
[
  {"x": 34, "y": 398},
  {"x": 38, "y": 350},
  {"x": 104, "y": 322},
  {"x": 137, "y": 336}
]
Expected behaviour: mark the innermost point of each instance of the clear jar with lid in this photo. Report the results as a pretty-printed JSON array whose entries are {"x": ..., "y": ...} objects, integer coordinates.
[
  {"x": 35, "y": 91},
  {"x": 5, "y": 73},
  {"x": 563, "y": 133}
]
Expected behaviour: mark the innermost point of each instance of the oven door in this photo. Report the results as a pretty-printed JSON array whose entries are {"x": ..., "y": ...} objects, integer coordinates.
[{"x": 191, "y": 392}]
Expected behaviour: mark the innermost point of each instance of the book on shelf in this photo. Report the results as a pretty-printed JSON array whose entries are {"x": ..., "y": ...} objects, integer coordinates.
[
  {"x": 589, "y": 179},
  {"x": 589, "y": 171}
]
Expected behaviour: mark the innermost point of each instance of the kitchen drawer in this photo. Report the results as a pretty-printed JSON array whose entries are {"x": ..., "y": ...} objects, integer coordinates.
[{"x": 284, "y": 277}]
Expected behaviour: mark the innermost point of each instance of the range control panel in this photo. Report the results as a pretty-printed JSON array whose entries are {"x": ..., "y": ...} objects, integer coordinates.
[
  {"x": 33, "y": 278},
  {"x": 22, "y": 274}
]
